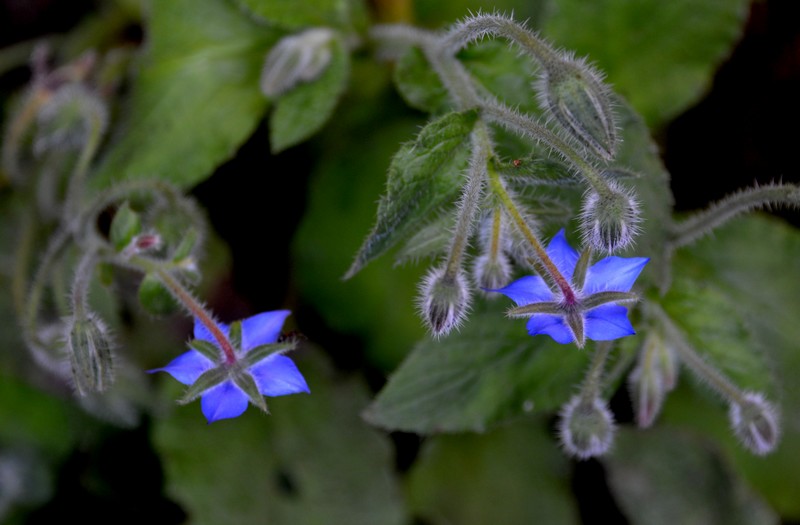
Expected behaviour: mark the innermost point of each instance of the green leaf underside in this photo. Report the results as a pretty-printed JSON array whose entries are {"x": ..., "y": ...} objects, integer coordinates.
[
  {"x": 305, "y": 109},
  {"x": 490, "y": 370},
  {"x": 424, "y": 176},
  {"x": 196, "y": 98},
  {"x": 665, "y": 476},
  {"x": 312, "y": 461},
  {"x": 762, "y": 288},
  {"x": 660, "y": 55},
  {"x": 461, "y": 478}
]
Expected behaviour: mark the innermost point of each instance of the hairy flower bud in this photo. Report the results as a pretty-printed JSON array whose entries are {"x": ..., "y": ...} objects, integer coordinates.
[
  {"x": 491, "y": 273},
  {"x": 610, "y": 222},
  {"x": 89, "y": 347},
  {"x": 586, "y": 428},
  {"x": 755, "y": 423},
  {"x": 574, "y": 93},
  {"x": 653, "y": 377},
  {"x": 444, "y": 300},
  {"x": 296, "y": 58}
]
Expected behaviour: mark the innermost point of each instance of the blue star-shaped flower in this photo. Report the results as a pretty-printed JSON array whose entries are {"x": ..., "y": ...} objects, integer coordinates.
[
  {"x": 594, "y": 313},
  {"x": 274, "y": 375}
]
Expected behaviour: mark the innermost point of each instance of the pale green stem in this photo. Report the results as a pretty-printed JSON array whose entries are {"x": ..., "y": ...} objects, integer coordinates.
[{"x": 78, "y": 178}]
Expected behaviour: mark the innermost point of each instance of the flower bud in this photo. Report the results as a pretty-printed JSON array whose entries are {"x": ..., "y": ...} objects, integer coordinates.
[
  {"x": 444, "y": 300},
  {"x": 491, "y": 273},
  {"x": 586, "y": 428},
  {"x": 297, "y": 58},
  {"x": 755, "y": 423},
  {"x": 653, "y": 377},
  {"x": 89, "y": 346},
  {"x": 67, "y": 119},
  {"x": 575, "y": 95},
  {"x": 609, "y": 222}
]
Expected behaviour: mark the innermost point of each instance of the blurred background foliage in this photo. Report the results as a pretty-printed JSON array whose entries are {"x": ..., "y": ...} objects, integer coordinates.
[{"x": 714, "y": 80}]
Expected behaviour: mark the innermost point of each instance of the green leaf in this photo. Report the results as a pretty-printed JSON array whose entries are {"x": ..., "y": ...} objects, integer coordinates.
[
  {"x": 490, "y": 370},
  {"x": 196, "y": 98},
  {"x": 290, "y": 14},
  {"x": 664, "y": 476},
  {"x": 660, "y": 55},
  {"x": 717, "y": 331},
  {"x": 312, "y": 461},
  {"x": 305, "y": 109},
  {"x": 514, "y": 475},
  {"x": 754, "y": 262},
  {"x": 424, "y": 176}
]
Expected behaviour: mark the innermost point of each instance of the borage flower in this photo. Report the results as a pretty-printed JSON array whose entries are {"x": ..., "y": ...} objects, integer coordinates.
[
  {"x": 591, "y": 310},
  {"x": 225, "y": 381}
]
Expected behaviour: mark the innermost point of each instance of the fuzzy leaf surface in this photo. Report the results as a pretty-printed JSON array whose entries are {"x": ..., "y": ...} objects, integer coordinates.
[{"x": 424, "y": 176}]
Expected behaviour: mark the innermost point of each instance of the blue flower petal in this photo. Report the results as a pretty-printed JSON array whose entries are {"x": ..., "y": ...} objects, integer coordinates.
[
  {"x": 552, "y": 325},
  {"x": 608, "y": 322},
  {"x": 529, "y": 289},
  {"x": 262, "y": 329},
  {"x": 563, "y": 255},
  {"x": 187, "y": 367},
  {"x": 277, "y": 375},
  {"x": 203, "y": 333},
  {"x": 224, "y": 401},
  {"x": 613, "y": 274}
]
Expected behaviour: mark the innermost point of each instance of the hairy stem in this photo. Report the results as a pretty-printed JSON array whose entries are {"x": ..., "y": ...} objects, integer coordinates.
[
  {"x": 719, "y": 213},
  {"x": 593, "y": 382}
]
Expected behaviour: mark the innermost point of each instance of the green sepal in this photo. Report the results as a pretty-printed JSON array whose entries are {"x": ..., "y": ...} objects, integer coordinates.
[
  {"x": 209, "y": 379},
  {"x": 207, "y": 348},
  {"x": 579, "y": 274},
  {"x": 424, "y": 176},
  {"x": 576, "y": 323},
  {"x": 124, "y": 227},
  {"x": 601, "y": 298},
  {"x": 186, "y": 245},
  {"x": 155, "y": 298},
  {"x": 235, "y": 334},
  {"x": 546, "y": 307},
  {"x": 261, "y": 352},
  {"x": 245, "y": 381}
]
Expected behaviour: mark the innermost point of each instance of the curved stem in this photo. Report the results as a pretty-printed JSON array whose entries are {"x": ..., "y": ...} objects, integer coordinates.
[
  {"x": 78, "y": 179},
  {"x": 721, "y": 212},
  {"x": 192, "y": 305},
  {"x": 718, "y": 381}
]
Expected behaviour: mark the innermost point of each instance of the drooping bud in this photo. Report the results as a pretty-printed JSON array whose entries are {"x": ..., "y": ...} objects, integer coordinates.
[
  {"x": 586, "y": 428},
  {"x": 89, "y": 346},
  {"x": 574, "y": 93},
  {"x": 653, "y": 377},
  {"x": 492, "y": 272},
  {"x": 444, "y": 300},
  {"x": 610, "y": 220},
  {"x": 296, "y": 58},
  {"x": 755, "y": 423},
  {"x": 69, "y": 118}
]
